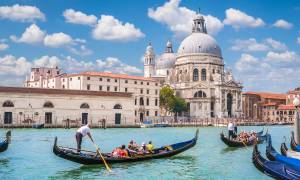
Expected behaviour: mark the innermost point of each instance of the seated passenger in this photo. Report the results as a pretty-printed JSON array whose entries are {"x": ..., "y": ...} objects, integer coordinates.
[
  {"x": 116, "y": 152},
  {"x": 133, "y": 146},
  {"x": 150, "y": 146},
  {"x": 143, "y": 149},
  {"x": 123, "y": 152}
]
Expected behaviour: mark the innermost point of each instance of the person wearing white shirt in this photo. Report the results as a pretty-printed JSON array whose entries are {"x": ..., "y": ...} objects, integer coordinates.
[
  {"x": 82, "y": 132},
  {"x": 230, "y": 128}
]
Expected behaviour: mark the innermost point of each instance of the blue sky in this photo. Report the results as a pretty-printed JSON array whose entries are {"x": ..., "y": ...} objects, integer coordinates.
[{"x": 260, "y": 40}]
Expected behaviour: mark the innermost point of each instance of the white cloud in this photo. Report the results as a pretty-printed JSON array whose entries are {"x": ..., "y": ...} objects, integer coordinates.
[
  {"x": 298, "y": 40},
  {"x": 287, "y": 56},
  {"x": 251, "y": 45},
  {"x": 3, "y": 46},
  {"x": 180, "y": 19},
  {"x": 273, "y": 72},
  {"x": 111, "y": 29},
  {"x": 21, "y": 13},
  {"x": 114, "y": 65},
  {"x": 283, "y": 24},
  {"x": 47, "y": 61},
  {"x": 78, "y": 17},
  {"x": 238, "y": 19},
  {"x": 82, "y": 50},
  {"x": 57, "y": 40},
  {"x": 33, "y": 34},
  {"x": 14, "y": 66}
]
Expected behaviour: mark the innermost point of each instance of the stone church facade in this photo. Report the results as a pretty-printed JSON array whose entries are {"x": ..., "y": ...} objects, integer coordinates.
[{"x": 197, "y": 74}]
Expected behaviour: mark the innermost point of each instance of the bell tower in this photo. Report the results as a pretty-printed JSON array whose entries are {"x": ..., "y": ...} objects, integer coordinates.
[
  {"x": 199, "y": 24},
  {"x": 149, "y": 61}
]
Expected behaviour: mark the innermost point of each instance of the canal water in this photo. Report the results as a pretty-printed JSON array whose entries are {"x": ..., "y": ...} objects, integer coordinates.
[{"x": 30, "y": 155}]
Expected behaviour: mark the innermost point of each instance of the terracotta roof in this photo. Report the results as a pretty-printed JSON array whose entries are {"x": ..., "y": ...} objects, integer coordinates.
[
  {"x": 61, "y": 92},
  {"x": 268, "y": 95},
  {"x": 270, "y": 104},
  {"x": 112, "y": 75},
  {"x": 286, "y": 107}
]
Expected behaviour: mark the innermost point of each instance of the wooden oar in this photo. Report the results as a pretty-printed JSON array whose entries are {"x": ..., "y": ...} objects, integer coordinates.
[{"x": 104, "y": 161}]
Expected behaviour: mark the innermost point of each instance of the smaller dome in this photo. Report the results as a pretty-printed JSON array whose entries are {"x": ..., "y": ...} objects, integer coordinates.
[
  {"x": 149, "y": 49},
  {"x": 166, "y": 61}
]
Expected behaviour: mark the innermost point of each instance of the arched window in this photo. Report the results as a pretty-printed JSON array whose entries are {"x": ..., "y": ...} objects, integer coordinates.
[
  {"x": 203, "y": 75},
  {"x": 118, "y": 106},
  {"x": 200, "y": 94},
  {"x": 141, "y": 101},
  {"x": 48, "y": 104},
  {"x": 8, "y": 104},
  {"x": 84, "y": 106},
  {"x": 195, "y": 75}
]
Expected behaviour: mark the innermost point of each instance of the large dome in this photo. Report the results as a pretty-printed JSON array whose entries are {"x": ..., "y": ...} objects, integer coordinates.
[{"x": 199, "y": 43}]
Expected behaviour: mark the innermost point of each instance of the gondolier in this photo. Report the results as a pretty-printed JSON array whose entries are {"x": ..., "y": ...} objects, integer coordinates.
[
  {"x": 82, "y": 132},
  {"x": 230, "y": 128}
]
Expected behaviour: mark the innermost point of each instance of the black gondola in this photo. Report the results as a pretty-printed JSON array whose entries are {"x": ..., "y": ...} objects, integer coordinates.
[
  {"x": 89, "y": 157},
  {"x": 294, "y": 145},
  {"x": 274, "y": 169},
  {"x": 289, "y": 153},
  {"x": 38, "y": 126},
  {"x": 4, "y": 144},
  {"x": 234, "y": 143}
]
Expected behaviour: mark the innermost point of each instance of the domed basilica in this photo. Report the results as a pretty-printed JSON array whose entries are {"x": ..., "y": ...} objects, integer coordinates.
[{"x": 196, "y": 73}]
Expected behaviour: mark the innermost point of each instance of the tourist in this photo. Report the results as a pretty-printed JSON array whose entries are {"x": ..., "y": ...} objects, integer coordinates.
[
  {"x": 235, "y": 128},
  {"x": 230, "y": 129},
  {"x": 150, "y": 146},
  {"x": 116, "y": 152},
  {"x": 82, "y": 132},
  {"x": 143, "y": 149},
  {"x": 133, "y": 146},
  {"x": 124, "y": 152}
]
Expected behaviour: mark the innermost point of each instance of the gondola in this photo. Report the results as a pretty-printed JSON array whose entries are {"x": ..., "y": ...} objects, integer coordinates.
[
  {"x": 4, "y": 144},
  {"x": 38, "y": 126},
  {"x": 294, "y": 145},
  {"x": 274, "y": 169},
  {"x": 273, "y": 155},
  {"x": 89, "y": 157},
  {"x": 289, "y": 153},
  {"x": 234, "y": 143}
]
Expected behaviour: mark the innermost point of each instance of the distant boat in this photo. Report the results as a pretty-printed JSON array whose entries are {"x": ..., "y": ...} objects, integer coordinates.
[
  {"x": 161, "y": 125},
  {"x": 38, "y": 126},
  {"x": 4, "y": 144},
  {"x": 235, "y": 143}
]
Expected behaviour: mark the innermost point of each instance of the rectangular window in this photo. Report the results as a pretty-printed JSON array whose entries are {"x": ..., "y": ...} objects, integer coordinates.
[
  {"x": 156, "y": 102},
  {"x": 147, "y": 113},
  {"x": 126, "y": 89},
  {"x": 147, "y": 83},
  {"x": 78, "y": 78},
  {"x": 142, "y": 83},
  {"x": 156, "y": 84},
  {"x": 135, "y": 113},
  {"x": 141, "y": 91},
  {"x": 156, "y": 91},
  {"x": 70, "y": 79},
  {"x": 88, "y": 87},
  {"x": 135, "y": 82},
  {"x": 126, "y": 81},
  {"x": 57, "y": 72},
  {"x": 116, "y": 88},
  {"x": 100, "y": 79},
  {"x": 147, "y": 91},
  {"x": 135, "y": 101},
  {"x": 100, "y": 88},
  {"x": 108, "y": 80},
  {"x": 147, "y": 102},
  {"x": 108, "y": 88},
  {"x": 116, "y": 80},
  {"x": 88, "y": 78},
  {"x": 155, "y": 113}
]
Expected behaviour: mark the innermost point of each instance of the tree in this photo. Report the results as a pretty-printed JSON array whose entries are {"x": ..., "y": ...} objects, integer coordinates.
[
  {"x": 166, "y": 97},
  {"x": 178, "y": 105}
]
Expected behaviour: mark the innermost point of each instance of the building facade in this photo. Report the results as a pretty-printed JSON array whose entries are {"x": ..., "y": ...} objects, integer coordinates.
[
  {"x": 145, "y": 91},
  {"x": 54, "y": 106},
  {"x": 267, "y": 107},
  {"x": 197, "y": 74}
]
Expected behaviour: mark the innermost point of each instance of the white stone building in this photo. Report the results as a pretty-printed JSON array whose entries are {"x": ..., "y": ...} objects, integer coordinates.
[
  {"x": 23, "y": 106},
  {"x": 145, "y": 91},
  {"x": 197, "y": 74}
]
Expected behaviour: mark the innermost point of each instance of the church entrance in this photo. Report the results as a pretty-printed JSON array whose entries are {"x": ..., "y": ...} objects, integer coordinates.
[
  {"x": 141, "y": 117},
  {"x": 229, "y": 104}
]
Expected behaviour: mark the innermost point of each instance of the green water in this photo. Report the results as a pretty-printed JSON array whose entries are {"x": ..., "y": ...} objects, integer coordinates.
[{"x": 30, "y": 155}]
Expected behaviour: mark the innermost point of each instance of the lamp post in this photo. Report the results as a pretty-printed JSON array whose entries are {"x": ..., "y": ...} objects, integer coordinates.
[{"x": 296, "y": 103}]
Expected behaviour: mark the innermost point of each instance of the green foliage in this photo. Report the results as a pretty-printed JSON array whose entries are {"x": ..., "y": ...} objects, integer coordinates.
[{"x": 171, "y": 103}]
